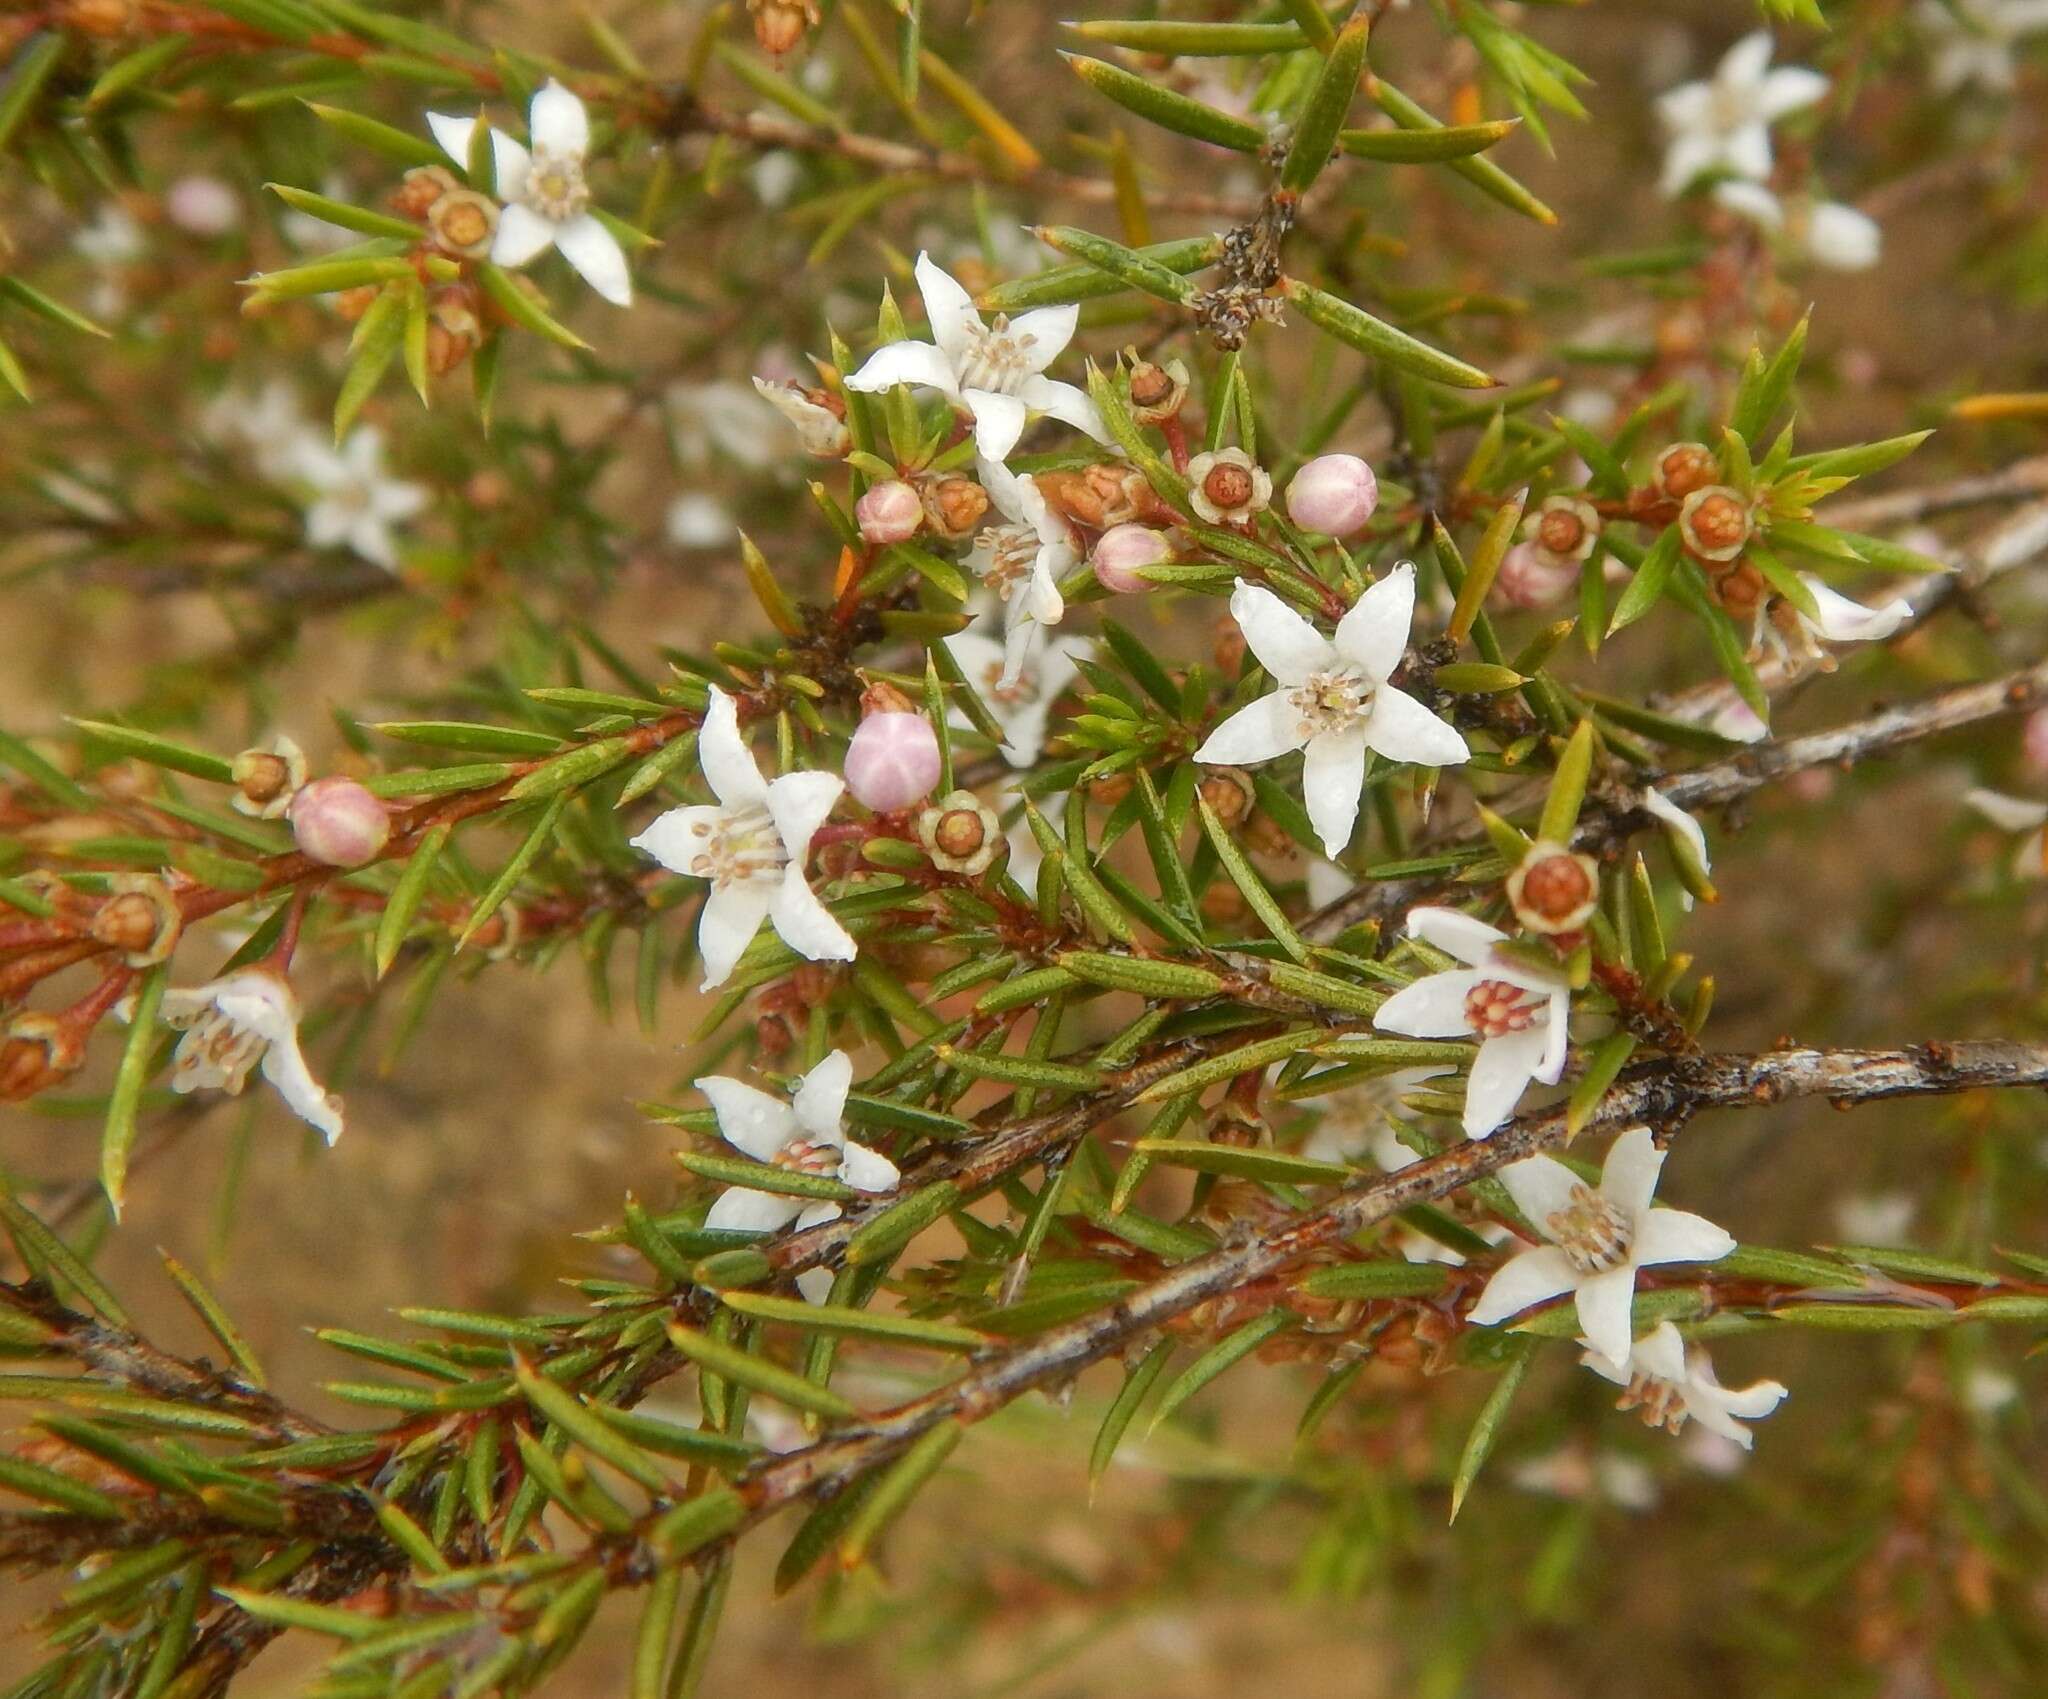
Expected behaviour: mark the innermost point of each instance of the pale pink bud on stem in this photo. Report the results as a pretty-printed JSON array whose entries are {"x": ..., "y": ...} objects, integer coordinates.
[
  {"x": 1122, "y": 550},
  {"x": 338, "y": 823},
  {"x": 891, "y": 512},
  {"x": 1526, "y": 580},
  {"x": 892, "y": 761},
  {"x": 1333, "y": 495}
]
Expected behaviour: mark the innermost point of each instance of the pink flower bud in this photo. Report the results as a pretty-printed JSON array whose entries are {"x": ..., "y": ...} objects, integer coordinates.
[
  {"x": 2034, "y": 743},
  {"x": 1333, "y": 495},
  {"x": 202, "y": 206},
  {"x": 1527, "y": 581},
  {"x": 338, "y": 823},
  {"x": 890, "y": 512},
  {"x": 1122, "y": 550},
  {"x": 892, "y": 761}
]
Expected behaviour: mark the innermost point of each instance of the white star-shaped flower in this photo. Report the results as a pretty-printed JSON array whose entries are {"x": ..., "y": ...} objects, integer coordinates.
[
  {"x": 1519, "y": 1016},
  {"x": 996, "y": 372},
  {"x": 1670, "y": 1384},
  {"x": 1826, "y": 232},
  {"x": 232, "y": 1023},
  {"x": 751, "y": 845},
  {"x": 1020, "y": 704},
  {"x": 1598, "y": 1239},
  {"x": 1975, "y": 40},
  {"x": 1022, "y": 560},
  {"x": 805, "y": 1135},
  {"x": 547, "y": 201},
  {"x": 1333, "y": 701},
  {"x": 355, "y": 501},
  {"x": 2017, "y": 814},
  {"x": 1723, "y": 124},
  {"x": 268, "y": 423}
]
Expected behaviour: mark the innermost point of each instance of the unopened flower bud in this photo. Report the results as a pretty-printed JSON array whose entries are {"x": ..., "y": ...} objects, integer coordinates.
[
  {"x": 780, "y": 25},
  {"x": 891, "y": 512},
  {"x": 1333, "y": 495},
  {"x": 1684, "y": 467},
  {"x": 892, "y": 761},
  {"x": 266, "y": 777},
  {"x": 961, "y": 834},
  {"x": 1229, "y": 793},
  {"x": 1158, "y": 392},
  {"x": 1122, "y": 550},
  {"x": 1527, "y": 580},
  {"x": 1228, "y": 486},
  {"x": 420, "y": 188},
  {"x": 1713, "y": 522},
  {"x": 1555, "y": 889},
  {"x": 37, "y": 1051},
  {"x": 140, "y": 920},
  {"x": 954, "y": 505},
  {"x": 338, "y": 823},
  {"x": 2034, "y": 742}
]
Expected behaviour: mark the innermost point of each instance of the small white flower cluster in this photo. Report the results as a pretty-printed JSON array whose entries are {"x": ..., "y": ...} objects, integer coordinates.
[
  {"x": 351, "y": 500},
  {"x": 995, "y": 374},
  {"x": 1718, "y": 130}
]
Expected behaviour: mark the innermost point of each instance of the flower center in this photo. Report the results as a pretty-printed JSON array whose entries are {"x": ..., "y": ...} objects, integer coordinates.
[
  {"x": 1661, "y": 1402},
  {"x": 1494, "y": 1008},
  {"x": 554, "y": 187},
  {"x": 1560, "y": 531},
  {"x": 1592, "y": 1233},
  {"x": 1012, "y": 551},
  {"x": 808, "y": 1156},
  {"x": 215, "y": 1048},
  {"x": 741, "y": 844},
  {"x": 996, "y": 358},
  {"x": 1328, "y": 701},
  {"x": 960, "y": 832}
]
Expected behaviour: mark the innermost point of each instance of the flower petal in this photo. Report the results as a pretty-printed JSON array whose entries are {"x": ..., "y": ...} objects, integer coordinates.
[
  {"x": 1628, "y": 1178},
  {"x": 675, "y": 839},
  {"x": 453, "y": 133},
  {"x": 599, "y": 260},
  {"x": 1606, "y": 1311},
  {"x": 1286, "y": 645},
  {"x": 511, "y": 165},
  {"x": 904, "y": 362},
  {"x": 1744, "y": 64},
  {"x": 820, "y": 1100},
  {"x": 2008, "y": 813},
  {"x": 999, "y": 421},
  {"x": 1433, "y": 1007},
  {"x": 723, "y": 755},
  {"x": 1332, "y": 778},
  {"x": 738, "y": 1210},
  {"x": 950, "y": 309},
  {"x": 1557, "y": 1037},
  {"x": 753, "y": 1122},
  {"x": 732, "y": 915},
  {"x": 1528, "y": 1278},
  {"x": 1501, "y": 1072},
  {"x": 1374, "y": 634},
  {"x": 1789, "y": 88},
  {"x": 284, "y": 1066},
  {"x": 557, "y": 120},
  {"x": 1041, "y": 336},
  {"x": 798, "y": 804},
  {"x": 1540, "y": 1186},
  {"x": 805, "y": 924},
  {"x": 1259, "y": 731},
  {"x": 868, "y": 1170},
  {"x": 1677, "y": 1235},
  {"x": 1402, "y": 729},
  {"x": 1470, "y": 940},
  {"x": 1661, "y": 807},
  {"x": 1064, "y": 402},
  {"x": 522, "y": 235},
  {"x": 1845, "y": 620}
]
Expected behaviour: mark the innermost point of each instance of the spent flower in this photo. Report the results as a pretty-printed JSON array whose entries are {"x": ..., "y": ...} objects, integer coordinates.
[{"x": 231, "y": 1024}]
